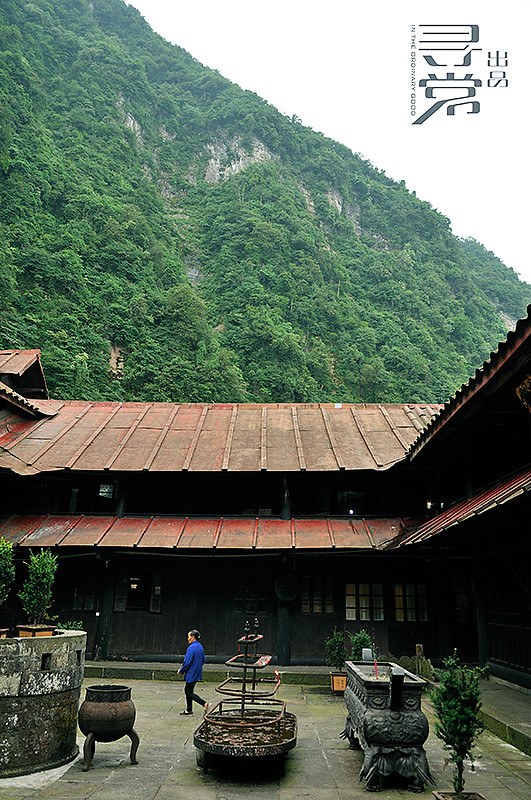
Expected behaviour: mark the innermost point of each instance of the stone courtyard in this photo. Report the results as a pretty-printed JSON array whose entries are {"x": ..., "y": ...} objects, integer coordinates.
[{"x": 321, "y": 766}]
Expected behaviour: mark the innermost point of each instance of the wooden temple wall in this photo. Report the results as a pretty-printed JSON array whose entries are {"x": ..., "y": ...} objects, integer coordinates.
[{"x": 297, "y": 605}]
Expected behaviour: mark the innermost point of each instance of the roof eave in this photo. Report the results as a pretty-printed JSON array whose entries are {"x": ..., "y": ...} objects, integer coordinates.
[{"x": 461, "y": 404}]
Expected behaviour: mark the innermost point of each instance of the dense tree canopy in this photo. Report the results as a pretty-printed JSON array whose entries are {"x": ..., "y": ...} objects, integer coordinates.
[{"x": 165, "y": 235}]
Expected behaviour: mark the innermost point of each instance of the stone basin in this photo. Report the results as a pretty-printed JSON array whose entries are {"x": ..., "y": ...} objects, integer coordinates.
[{"x": 385, "y": 719}]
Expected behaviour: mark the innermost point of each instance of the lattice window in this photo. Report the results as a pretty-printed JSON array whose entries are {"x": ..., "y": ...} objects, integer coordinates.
[
  {"x": 364, "y": 601},
  {"x": 411, "y": 602},
  {"x": 317, "y": 595},
  {"x": 83, "y": 599}
]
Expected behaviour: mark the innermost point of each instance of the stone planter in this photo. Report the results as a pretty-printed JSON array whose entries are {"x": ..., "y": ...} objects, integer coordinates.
[
  {"x": 40, "y": 683},
  {"x": 35, "y": 630},
  {"x": 385, "y": 719}
]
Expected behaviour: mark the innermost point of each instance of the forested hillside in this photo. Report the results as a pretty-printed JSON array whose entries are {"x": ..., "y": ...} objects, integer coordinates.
[{"x": 165, "y": 235}]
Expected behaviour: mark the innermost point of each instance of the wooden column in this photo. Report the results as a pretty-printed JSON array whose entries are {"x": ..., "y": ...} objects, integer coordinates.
[
  {"x": 284, "y": 633},
  {"x": 103, "y": 631},
  {"x": 443, "y": 583}
]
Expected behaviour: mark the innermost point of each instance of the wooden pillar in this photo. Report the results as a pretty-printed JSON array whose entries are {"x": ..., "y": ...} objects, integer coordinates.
[
  {"x": 285, "y": 512},
  {"x": 121, "y": 491},
  {"x": 286, "y": 589},
  {"x": 444, "y": 587},
  {"x": 481, "y": 619},
  {"x": 284, "y": 633},
  {"x": 103, "y": 631}
]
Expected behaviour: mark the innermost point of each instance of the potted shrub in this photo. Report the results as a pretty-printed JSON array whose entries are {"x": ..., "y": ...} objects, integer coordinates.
[
  {"x": 336, "y": 654},
  {"x": 7, "y": 575},
  {"x": 457, "y": 703},
  {"x": 36, "y": 594},
  {"x": 358, "y": 642}
]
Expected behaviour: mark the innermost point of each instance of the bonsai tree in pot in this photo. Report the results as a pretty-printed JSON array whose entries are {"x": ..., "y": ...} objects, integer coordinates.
[
  {"x": 336, "y": 654},
  {"x": 457, "y": 703},
  {"x": 7, "y": 574},
  {"x": 36, "y": 593}
]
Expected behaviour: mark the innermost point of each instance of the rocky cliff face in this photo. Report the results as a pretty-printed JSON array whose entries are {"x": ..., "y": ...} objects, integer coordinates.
[{"x": 228, "y": 157}]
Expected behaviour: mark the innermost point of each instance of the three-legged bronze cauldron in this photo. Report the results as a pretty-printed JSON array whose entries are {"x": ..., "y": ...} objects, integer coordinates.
[{"x": 107, "y": 714}]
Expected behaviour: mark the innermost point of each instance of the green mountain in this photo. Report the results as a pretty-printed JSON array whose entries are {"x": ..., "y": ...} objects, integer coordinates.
[{"x": 165, "y": 235}]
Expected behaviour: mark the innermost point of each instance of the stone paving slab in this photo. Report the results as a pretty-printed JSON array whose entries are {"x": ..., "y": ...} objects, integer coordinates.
[{"x": 321, "y": 767}]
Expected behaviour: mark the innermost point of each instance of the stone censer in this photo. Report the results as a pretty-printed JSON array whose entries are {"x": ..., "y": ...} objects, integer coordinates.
[{"x": 386, "y": 721}]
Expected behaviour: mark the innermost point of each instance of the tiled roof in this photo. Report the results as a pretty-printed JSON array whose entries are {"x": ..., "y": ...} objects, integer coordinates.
[
  {"x": 248, "y": 533},
  {"x": 17, "y": 402},
  {"x": 217, "y": 437},
  {"x": 511, "y": 354},
  {"x": 460, "y": 512},
  {"x": 16, "y": 362}
]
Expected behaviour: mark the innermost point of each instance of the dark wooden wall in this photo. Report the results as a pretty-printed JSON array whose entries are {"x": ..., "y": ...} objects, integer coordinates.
[{"x": 217, "y": 594}]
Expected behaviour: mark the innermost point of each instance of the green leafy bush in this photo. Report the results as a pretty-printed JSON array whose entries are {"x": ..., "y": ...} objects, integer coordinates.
[
  {"x": 336, "y": 651},
  {"x": 36, "y": 593},
  {"x": 70, "y": 625},
  {"x": 358, "y": 641},
  {"x": 7, "y": 569},
  {"x": 457, "y": 703}
]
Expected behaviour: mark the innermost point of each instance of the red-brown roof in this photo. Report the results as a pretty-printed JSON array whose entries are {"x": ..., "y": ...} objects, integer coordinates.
[
  {"x": 511, "y": 354},
  {"x": 214, "y": 437},
  {"x": 219, "y": 533},
  {"x": 460, "y": 512},
  {"x": 21, "y": 371},
  {"x": 16, "y": 362},
  {"x": 17, "y": 402}
]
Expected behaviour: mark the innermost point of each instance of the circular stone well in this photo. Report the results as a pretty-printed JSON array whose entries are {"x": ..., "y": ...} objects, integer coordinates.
[{"x": 40, "y": 684}]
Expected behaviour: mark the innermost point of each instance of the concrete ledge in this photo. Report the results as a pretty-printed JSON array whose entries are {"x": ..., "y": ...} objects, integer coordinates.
[
  {"x": 142, "y": 673},
  {"x": 508, "y": 732},
  {"x": 306, "y": 679}
]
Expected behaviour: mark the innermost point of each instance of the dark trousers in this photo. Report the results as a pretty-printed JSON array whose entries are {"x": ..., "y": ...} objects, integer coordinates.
[{"x": 190, "y": 695}]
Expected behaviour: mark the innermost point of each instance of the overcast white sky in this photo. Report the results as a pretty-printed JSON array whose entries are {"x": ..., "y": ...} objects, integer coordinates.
[{"x": 344, "y": 68}]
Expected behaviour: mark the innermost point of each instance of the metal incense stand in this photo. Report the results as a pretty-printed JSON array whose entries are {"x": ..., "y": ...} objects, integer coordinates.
[{"x": 248, "y": 722}]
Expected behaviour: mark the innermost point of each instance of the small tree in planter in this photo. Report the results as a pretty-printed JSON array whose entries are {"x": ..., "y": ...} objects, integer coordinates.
[
  {"x": 7, "y": 574},
  {"x": 36, "y": 593},
  {"x": 457, "y": 703},
  {"x": 359, "y": 641},
  {"x": 336, "y": 654}
]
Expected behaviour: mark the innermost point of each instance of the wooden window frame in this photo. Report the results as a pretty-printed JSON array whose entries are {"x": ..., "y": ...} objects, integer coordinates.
[
  {"x": 84, "y": 598},
  {"x": 317, "y": 595},
  {"x": 153, "y": 604},
  {"x": 411, "y": 603},
  {"x": 364, "y": 602}
]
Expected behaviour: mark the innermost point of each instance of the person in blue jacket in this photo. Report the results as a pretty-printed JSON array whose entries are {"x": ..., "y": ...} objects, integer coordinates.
[{"x": 192, "y": 669}]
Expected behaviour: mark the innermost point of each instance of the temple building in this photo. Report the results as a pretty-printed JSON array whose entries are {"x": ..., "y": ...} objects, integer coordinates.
[{"x": 406, "y": 520}]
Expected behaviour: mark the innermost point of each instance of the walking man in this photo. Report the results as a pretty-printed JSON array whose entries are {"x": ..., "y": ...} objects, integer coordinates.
[{"x": 192, "y": 669}]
